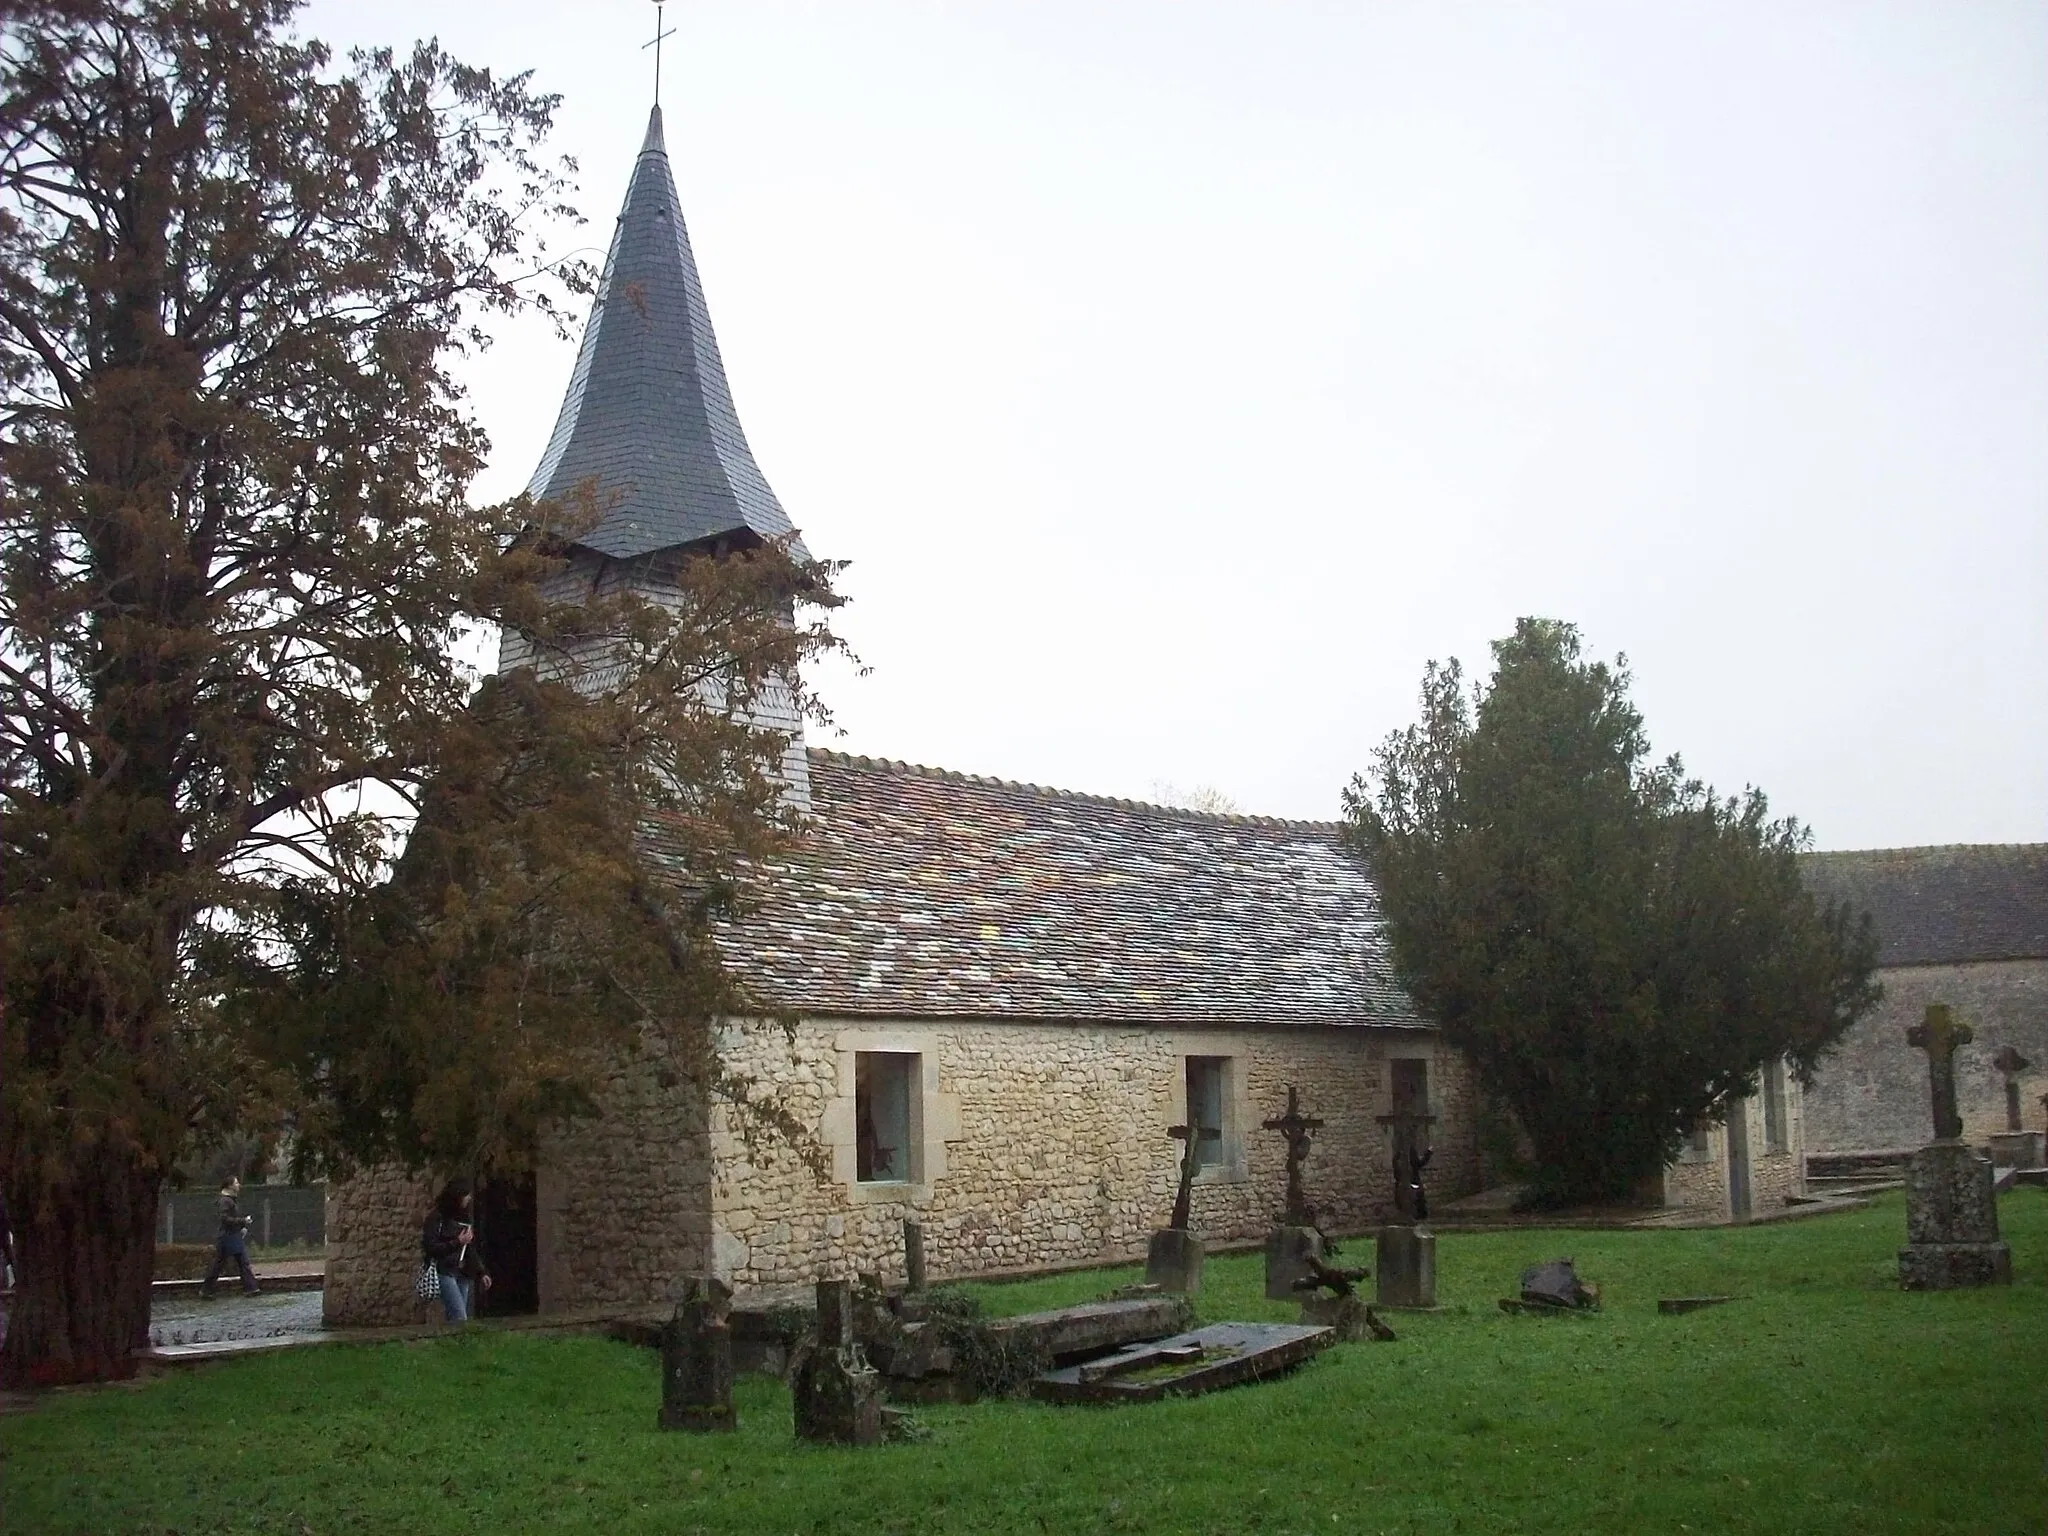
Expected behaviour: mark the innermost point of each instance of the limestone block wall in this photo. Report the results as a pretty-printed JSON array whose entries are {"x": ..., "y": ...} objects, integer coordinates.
[
  {"x": 623, "y": 1199},
  {"x": 1871, "y": 1092},
  {"x": 1041, "y": 1144},
  {"x": 1699, "y": 1180},
  {"x": 373, "y": 1247}
]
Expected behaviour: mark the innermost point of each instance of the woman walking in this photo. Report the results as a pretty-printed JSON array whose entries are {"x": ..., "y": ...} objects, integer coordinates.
[{"x": 448, "y": 1242}]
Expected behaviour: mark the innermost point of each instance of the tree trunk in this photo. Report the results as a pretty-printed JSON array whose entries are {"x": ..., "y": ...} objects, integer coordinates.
[{"x": 84, "y": 1251}]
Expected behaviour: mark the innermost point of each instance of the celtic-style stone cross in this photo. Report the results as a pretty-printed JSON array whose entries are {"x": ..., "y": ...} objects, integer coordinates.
[
  {"x": 1939, "y": 1036},
  {"x": 1298, "y": 1129},
  {"x": 2012, "y": 1064},
  {"x": 1185, "y": 1134}
]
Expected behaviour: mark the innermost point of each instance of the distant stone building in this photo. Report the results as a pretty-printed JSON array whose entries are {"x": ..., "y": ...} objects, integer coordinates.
[
  {"x": 1753, "y": 1162},
  {"x": 1004, "y": 994},
  {"x": 1966, "y": 926}
]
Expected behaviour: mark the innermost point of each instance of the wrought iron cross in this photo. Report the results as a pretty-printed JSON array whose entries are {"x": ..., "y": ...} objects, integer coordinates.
[
  {"x": 1298, "y": 1129},
  {"x": 655, "y": 44},
  {"x": 1181, "y": 1200},
  {"x": 1938, "y": 1036}
]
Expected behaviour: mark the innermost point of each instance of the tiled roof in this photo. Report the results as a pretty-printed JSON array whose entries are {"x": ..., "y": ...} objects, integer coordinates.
[
  {"x": 1945, "y": 905},
  {"x": 928, "y": 893},
  {"x": 649, "y": 415}
]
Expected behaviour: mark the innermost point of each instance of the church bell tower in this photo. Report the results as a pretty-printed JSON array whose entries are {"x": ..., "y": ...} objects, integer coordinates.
[{"x": 649, "y": 421}]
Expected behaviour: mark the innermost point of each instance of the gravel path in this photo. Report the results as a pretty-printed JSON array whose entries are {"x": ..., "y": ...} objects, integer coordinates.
[{"x": 191, "y": 1320}]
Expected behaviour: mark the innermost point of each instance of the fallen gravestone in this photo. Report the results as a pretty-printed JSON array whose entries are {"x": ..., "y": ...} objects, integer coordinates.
[
  {"x": 1205, "y": 1360},
  {"x": 1554, "y": 1287},
  {"x": 1341, "y": 1311}
]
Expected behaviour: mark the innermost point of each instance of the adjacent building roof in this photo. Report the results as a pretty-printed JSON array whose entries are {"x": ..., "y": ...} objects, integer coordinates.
[
  {"x": 928, "y": 893},
  {"x": 649, "y": 416},
  {"x": 1945, "y": 905}
]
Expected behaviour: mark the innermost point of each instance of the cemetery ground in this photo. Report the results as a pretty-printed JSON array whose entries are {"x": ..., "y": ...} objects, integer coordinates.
[{"x": 1826, "y": 1400}]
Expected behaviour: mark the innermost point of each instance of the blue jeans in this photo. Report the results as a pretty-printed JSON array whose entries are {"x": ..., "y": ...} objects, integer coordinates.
[
  {"x": 456, "y": 1294},
  {"x": 229, "y": 1246}
]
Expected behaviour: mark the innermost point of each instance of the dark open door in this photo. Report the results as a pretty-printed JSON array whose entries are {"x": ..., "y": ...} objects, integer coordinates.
[{"x": 505, "y": 1227}]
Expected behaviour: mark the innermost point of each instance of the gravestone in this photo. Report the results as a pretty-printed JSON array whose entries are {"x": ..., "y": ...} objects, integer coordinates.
[
  {"x": 1173, "y": 1260},
  {"x": 1205, "y": 1360},
  {"x": 1406, "y": 1252},
  {"x": 1407, "y": 1267},
  {"x": 1295, "y": 1244},
  {"x": 1951, "y": 1211},
  {"x": 1343, "y": 1311},
  {"x": 696, "y": 1360},
  {"x": 837, "y": 1393},
  {"x": 913, "y": 1256},
  {"x": 2015, "y": 1146}
]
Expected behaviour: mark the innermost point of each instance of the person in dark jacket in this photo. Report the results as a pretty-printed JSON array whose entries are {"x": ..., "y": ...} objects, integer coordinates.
[
  {"x": 448, "y": 1240},
  {"x": 231, "y": 1242}
]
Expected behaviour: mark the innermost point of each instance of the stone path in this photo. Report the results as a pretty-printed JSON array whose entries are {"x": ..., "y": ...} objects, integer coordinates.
[{"x": 189, "y": 1319}]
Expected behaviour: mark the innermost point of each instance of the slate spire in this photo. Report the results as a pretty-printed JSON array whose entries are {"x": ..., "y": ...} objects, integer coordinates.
[{"x": 649, "y": 416}]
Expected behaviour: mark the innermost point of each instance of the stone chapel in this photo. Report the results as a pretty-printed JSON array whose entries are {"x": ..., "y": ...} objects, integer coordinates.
[{"x": 1006, "y": 994}]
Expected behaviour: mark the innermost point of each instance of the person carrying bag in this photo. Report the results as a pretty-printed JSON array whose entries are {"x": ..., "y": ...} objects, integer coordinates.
[{"x": 451, "y": 1264}]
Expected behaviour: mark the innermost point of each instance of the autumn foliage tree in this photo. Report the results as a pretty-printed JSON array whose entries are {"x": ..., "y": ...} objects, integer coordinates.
[
  {"x": 238, "y": 560},
  {"x": 1618, "y": 950}
]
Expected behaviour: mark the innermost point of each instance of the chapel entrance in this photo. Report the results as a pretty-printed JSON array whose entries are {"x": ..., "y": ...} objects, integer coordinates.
[{"x": 507, "y": 1232}]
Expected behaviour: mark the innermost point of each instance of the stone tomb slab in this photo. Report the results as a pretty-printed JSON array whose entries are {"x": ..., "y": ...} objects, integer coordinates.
[
  {"x": 1229, "y": 1353},
  {"x": 1095, "y": 1327}
]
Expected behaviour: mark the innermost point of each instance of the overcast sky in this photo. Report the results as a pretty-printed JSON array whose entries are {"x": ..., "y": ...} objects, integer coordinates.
[{"x": 1180, "y": 378}]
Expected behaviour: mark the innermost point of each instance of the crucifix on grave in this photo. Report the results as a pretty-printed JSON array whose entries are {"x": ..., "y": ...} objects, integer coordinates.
[
  {"x": 1173, "y": 1261},
  {"x": 1408, "y": 1130},
  {"x": 1299, "y": 1129},
  {"x": 1938, "y": 1035},
  {"x": 1183, "y": 1196},
  {"x": 1295, "y": 1245},
  {"x": 2015, "y": 1147}
]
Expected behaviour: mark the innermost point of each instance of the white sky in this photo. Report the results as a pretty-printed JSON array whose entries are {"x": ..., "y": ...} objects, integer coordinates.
[{"x": 1180, "y": 378}]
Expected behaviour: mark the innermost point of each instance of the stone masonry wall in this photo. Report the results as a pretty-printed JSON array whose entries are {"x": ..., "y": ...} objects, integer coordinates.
[
  {"x": 1872, "y": 1090},
  {"x": 623, "y": 1199},
  {"x": 373, "y": 1247},
  {"x": 1699, "y": 1182},
  {"x": 1046, "y": 1144}
]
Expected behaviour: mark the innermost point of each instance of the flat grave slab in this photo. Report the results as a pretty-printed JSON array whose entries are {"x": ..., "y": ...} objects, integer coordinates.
[
  {"x": 1095, "y": 1326},
  {"x": 1204, "y": 1360}
]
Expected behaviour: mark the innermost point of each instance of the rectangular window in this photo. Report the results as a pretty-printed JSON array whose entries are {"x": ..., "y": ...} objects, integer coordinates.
[
  {"x": 1774, "y": 1107},
  {"x": 884, "y": 1099},
  {"x": 1410, "y": 1086},
  {"x": 1205, "y": 1108},
  {"x": 1699, "y": 1146}
]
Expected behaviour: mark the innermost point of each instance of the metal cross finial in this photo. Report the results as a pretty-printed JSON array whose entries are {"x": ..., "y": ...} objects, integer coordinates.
[{"x": 655, "y": 44}]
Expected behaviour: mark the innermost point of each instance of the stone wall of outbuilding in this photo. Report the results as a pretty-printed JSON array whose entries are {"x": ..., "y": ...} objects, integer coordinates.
[
  {"x": 373, "y": 1247},
  {"x": 1699, "y": 1180},
  {"x": 1039, "y": 1145},
  {"x": 1871, "y": 1091},
  {"x": 1046, "y": 1144}
]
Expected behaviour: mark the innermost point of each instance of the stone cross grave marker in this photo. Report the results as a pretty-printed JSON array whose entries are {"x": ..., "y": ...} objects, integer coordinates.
[
  {"x": 1182, "y": 1197},
  {"x": 2011, "y": 1064},
  {"x": 1939, "y": 1035},
  {"x": 1299, "y": 1129}
]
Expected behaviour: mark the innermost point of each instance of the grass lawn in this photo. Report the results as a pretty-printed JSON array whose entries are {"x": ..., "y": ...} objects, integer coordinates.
[{"x": 1827, "y": 1401}]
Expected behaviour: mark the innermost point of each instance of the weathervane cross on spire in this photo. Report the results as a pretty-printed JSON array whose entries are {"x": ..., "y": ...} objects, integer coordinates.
[{"x": 655, "y": 44}]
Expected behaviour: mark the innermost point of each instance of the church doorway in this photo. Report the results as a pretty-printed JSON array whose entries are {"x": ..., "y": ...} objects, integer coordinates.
[{"x": 506, "y": 1229}]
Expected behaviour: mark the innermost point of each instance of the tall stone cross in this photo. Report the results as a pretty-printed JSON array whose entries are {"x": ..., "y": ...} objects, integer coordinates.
[
  {"x": 1298, "y": 1129},
  {"x": 1938, "y": 1036},
  {"x": 1186, "y": 1135},
  {"x": 2012, "y": 1064}
]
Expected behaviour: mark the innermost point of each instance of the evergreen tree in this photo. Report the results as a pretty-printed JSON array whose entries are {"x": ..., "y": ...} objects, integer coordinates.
[
  {"x": 1617, "y": 949},
  {"x": 239, "y": 557}
]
